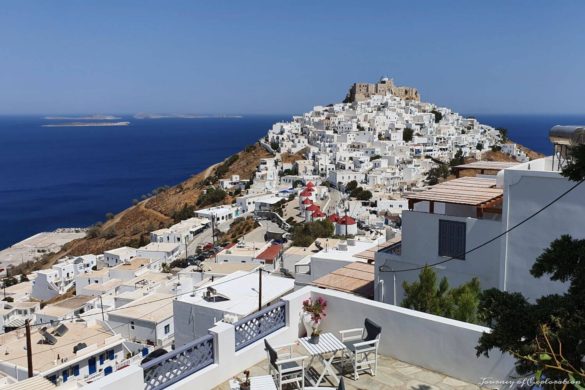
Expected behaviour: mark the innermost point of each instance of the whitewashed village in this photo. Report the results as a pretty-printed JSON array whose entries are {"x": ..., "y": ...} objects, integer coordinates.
[{"x": 380, "y": 186}]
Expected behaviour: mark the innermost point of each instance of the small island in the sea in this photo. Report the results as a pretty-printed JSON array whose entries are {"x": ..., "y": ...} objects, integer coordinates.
[
  {"x": 143, "y": 115},
  {"x": 96, "y": 117},
  {"x": 87, "y": 124}
]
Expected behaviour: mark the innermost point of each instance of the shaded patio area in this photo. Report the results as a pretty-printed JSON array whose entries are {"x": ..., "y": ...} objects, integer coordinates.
[{"x": 391, "y": 374}]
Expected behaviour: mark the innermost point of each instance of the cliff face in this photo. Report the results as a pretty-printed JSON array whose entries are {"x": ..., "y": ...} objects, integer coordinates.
[{"x": 131, "y": 227}]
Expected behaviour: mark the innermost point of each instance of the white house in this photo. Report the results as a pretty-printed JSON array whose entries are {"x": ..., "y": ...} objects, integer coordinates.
[
  {"x": 159, "y": 252},
  {"x": 147, "y": 320},
  {"x": 229, "y": 299},
  {"x": 61, "y": 277},
  {"x": 119, "y": 255},
  {"x": 65, "y": 353},
  {"x": 66, "y": 309},
  {"x": 181, "y": 232},
  {"x": 443, "y": 224},
  {"x": 14, "y": 314},
  {"x": 219, "y": 213}
]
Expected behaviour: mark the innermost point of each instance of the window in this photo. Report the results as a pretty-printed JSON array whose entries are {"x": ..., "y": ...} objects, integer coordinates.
[
  {"x": 452, "y": 239},
  {"x": 111, "y": 354},
  {"x": 167, "y": 329}
]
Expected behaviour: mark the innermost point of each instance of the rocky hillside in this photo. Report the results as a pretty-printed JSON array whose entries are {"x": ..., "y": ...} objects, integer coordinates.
[{"x": 132, "y": 226}]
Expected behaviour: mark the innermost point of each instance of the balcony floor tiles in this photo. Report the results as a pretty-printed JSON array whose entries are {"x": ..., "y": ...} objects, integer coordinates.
[{"x": 392, "y": 374}]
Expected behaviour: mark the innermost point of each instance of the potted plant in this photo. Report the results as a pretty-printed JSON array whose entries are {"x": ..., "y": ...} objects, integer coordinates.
[{"x": 314, "y": 312}]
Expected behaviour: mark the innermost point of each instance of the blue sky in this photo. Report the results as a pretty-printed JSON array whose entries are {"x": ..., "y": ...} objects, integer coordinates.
[{"x": 284, "y": 57}]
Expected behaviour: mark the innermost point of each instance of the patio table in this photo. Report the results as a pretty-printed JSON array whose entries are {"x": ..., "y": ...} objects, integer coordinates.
[
  {"x": 325, "y": 350},
  {"x": 264, "y": 382}
]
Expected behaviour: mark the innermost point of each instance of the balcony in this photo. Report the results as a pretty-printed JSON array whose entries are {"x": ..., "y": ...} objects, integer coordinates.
[{"x": 417, "y": 350}]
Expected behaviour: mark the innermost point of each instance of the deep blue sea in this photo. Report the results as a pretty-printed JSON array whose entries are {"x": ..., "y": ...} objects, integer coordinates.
[
  {"x": 72, "y": 176},
  {"x": 53, "y": 177}
]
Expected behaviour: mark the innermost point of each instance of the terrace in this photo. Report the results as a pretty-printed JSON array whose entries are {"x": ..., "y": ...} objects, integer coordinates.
[{"x": 416, "y": 350}]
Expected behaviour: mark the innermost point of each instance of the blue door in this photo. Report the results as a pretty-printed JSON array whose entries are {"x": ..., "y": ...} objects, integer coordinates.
[
  {"x": 108, "y": 370},
  {"x": 102, "y": 358},
  {"x": 76, "y": 370},
  {"x": 144, "y": 351},
  {"x": 91, "y": 365},
  {"x": 65, "y": 375}
]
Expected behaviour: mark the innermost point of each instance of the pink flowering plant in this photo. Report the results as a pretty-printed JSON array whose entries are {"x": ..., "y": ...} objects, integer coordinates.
[{"x": 316, "y": 308}]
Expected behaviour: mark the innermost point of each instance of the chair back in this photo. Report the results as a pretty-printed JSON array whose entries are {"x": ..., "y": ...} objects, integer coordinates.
[
  {"x": 372, "y": 330},
  {"x": 272, "y": 355}
]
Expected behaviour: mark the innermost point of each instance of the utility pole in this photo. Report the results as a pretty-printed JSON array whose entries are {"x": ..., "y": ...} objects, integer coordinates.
[
  {"x": 260, "y": 270},
  {"x": 29, "y": 349},
  {"x": 102, "y": 307}
]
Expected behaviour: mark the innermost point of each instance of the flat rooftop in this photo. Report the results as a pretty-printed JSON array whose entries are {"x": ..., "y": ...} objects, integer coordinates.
[
  {"x": 133, "y": 265},
  {"x": 241, "y": 292},
  {"x": 124, "y": 250},
  {"x": 470, "y": 191},
  {"x": 220, "y": 268},
  {"x": 66, "y": 306},
  {"x": 159, "y": 247},
  {"x": 45, "y": 355},
  {"x": 155, "y": 308}
]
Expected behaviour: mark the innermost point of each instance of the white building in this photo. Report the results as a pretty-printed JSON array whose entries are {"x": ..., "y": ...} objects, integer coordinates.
[
  {"x": 119, "y": 255},
  {"x": 229, "y": 299},
  {"x": 441, "y": 225},
  {"x": 61, "y": 277},
  {"x": 66, "y": 353},
  {"x": 147, "y": 320},
  {"x": 181, "y": 232},
  {"x": 159, "y": 253},
  {"x": 14, "y": 314},
  {"x": 219, "y": 213}
]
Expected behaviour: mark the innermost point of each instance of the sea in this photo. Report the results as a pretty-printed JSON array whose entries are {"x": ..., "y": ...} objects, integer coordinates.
[{"x": 52, "y": 177}]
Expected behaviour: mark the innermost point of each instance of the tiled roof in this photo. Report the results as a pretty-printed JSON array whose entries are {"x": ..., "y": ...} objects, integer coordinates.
[{"x": 270, "y": 254}]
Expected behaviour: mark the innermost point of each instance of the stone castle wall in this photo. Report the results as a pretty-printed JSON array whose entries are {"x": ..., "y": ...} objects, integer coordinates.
[{"x": 363, "y": 91}]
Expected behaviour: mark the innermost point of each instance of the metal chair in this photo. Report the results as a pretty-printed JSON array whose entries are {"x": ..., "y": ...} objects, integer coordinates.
[
  {"x": 362, "y": 347},
  {"x": 286, "y": 367}
]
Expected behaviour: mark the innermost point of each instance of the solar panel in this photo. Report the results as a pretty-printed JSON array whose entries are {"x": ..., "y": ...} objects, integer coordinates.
[
  {"x": 49, "y": 338},
  {"x": 61, "y": 330}
]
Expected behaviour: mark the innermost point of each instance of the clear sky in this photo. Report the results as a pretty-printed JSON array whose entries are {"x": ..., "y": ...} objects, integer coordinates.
[{"x": 284, "y": 57}]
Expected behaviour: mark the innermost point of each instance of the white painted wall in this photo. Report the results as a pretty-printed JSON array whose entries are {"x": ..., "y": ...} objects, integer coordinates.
[
  {"x": 420, "y": 246},
  {"x": 527, "y": 191}
]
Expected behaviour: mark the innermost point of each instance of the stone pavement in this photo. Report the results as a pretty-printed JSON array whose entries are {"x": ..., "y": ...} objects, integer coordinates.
[{"x": 391, "y": 374}]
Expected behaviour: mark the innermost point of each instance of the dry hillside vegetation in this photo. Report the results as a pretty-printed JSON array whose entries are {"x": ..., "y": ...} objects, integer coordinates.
[{"x": 131, "y": 227}]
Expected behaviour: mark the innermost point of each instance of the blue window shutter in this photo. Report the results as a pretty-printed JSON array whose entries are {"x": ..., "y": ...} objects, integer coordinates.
[
  {"x": 111, "y": 355},
  {"x": 452, "y": 235},
  {"x": 76, "y": 370},
  {"x": 102, "y": 358}
]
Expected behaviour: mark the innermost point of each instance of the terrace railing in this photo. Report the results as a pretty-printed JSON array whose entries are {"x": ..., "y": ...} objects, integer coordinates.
[
  {"x": 169, "y": 368},
  {"x": 259, "y": 325}
]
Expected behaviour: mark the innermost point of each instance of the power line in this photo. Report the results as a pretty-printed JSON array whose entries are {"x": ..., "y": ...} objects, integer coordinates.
[
  {"x": 122, "y": 325},
  {"x": 462, "y": 255},
  {"x": 150, "y": 302}
]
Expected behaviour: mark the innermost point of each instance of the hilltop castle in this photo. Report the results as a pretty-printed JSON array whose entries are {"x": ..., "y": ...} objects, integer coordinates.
[{"x": 363, "y": 91}]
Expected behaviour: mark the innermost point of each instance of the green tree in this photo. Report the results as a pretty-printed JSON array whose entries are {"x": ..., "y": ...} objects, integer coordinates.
[
  {"x": 407, "y": 135},
  {"x": 435, "y": 297},
  {"x": 503, "y": 133},
  {"x": 352, "y": 185},
  {"x": 438, "y": 116},
  {"x": 458, "y": 159},
  {"x": 305, "y": 233},
  {"x": 364, "y": 195},
  {"x": 547, "y": 337},
  {"x": 479, "y": 146}
]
